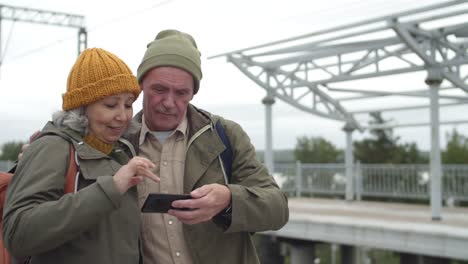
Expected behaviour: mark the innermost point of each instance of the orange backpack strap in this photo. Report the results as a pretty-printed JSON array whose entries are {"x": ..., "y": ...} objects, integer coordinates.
[
  {"x": 72, "y": 172},
  {"x": 5, "y": 178}
]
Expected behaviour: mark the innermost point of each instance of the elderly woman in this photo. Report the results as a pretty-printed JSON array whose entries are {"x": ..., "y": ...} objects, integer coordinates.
[{"x": 99, "y": 222}]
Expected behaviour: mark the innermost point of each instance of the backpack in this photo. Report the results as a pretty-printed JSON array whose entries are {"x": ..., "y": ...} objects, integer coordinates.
[
  {"x": 224, "y": 217},
  {"x": 5, "y": 178},
  {"x": 226, "y": 155}
]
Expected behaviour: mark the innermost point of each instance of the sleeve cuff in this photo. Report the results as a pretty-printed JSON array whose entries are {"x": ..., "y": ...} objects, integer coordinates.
[{"x": 224, "y": 218}]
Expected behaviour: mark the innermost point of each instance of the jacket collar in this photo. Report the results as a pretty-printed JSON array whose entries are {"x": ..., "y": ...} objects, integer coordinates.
[
  {"x": 202, "y": 152},
  {"x": 197, "y": 119},
  {"x": 84, "y": 151}
]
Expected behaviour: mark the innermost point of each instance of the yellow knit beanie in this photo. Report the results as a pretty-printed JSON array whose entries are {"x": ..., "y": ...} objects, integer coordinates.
[{"x": 96, "y": 74}]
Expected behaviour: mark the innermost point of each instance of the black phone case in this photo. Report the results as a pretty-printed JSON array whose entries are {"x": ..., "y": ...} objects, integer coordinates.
[{"x": 161, "y": 202}]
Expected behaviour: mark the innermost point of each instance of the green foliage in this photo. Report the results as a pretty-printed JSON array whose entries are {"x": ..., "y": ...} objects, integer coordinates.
[
  {"x": 380, "y": 147},
  {"x": 383, "y": 147},
  {"x": 383, "y": 256},
  {"x": 456, "y": 151},
  {"x": 409, "y": 153},
  {"x": 316, "y": 150},
  {"x": 280, "y": 155},
  {"x": 10, "y": 150}
]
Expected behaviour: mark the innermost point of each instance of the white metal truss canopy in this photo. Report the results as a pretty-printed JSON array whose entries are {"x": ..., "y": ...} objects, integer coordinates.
[{"x": 304, "y": 70}]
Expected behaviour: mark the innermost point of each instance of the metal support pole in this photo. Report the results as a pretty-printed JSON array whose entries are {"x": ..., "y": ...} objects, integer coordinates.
[
  {"x": 358, "y": 177},
  {"x": 434, "y": 79},
  {"x": 302, "y": 252},
  {"x": 349, "y": 128},
  {"x": 268, "y": 101},
  {"x": 82, "y": 40},
  {"x": 334, "y": 250},
  {"x": 298, "y": 178}
]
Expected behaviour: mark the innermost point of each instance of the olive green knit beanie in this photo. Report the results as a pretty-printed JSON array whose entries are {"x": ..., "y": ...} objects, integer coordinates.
[{"x": 172, "y": 48}]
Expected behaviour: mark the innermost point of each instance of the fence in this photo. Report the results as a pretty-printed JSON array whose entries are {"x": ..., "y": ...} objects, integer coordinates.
[
  {"x": 371, "y": 180},
  {"x": 410, "y": 181}
]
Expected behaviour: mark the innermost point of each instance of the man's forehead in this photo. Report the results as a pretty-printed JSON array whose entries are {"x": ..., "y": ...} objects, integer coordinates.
[
  {"x": 170, "y": 70},
  {"x": 168, "y": 76}
]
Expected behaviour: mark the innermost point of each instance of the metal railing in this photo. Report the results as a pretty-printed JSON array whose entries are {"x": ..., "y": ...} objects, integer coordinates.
[{"x": 410, "y": 181}]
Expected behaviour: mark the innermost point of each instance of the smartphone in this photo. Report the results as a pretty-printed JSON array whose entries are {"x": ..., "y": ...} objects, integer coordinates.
[{"x": 161, "y": 202}]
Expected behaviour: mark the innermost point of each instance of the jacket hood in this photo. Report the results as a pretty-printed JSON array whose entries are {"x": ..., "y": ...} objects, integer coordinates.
[{"x": 50, "y": 128}]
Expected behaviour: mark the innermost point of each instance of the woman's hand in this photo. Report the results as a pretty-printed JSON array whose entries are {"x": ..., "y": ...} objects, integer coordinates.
[{"x": 132, "y": 173}]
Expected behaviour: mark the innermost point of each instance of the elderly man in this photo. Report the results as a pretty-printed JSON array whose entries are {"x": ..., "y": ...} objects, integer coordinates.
[{"x": 182, "y": 140}]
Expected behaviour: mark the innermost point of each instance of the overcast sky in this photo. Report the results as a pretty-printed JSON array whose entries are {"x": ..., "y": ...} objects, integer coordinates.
[{"x": 37, "y": 58}]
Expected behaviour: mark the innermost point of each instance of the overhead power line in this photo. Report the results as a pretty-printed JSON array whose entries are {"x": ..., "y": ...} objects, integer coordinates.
[
  {"x": 111, "y": 21},
  {"x": 39, "y": 16}
]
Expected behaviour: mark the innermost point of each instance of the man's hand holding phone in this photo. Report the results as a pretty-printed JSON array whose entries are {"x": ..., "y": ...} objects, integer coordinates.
[
  {"x": 162, "y": 202},
  {"x": 207, "y": 201}
]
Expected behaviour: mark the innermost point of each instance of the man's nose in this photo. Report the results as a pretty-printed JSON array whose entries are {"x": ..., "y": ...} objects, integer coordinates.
[{"x": 169, "y": 101}]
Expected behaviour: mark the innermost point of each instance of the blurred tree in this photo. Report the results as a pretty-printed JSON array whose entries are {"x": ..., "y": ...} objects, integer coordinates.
[
  {"x": 383, "y": 146},
  {"x": 456, "y": 151},
  {"x": 316, "y": 150},
  {"x": 10, "y": 150},
  {"x": 409, "y": 153}
]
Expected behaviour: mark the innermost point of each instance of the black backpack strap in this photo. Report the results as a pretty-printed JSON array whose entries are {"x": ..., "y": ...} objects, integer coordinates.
[
  {"x": 224, "y": 218},
  {"x": 226, "y": 155}
]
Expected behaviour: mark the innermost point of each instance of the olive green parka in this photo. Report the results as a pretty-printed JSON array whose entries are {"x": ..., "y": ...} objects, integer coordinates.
[
  {"x": 96, "y": 224},
  {"x": 257, "y": 202}
]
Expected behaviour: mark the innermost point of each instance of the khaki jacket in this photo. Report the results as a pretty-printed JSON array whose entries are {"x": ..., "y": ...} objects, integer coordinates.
[
  {"x": 257, "y": 202},
  {"x": 94, "y": 225}
]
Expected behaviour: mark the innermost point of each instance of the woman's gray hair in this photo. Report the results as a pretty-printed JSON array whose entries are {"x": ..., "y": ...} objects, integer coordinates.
[{"x": 76, "y": 120}]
